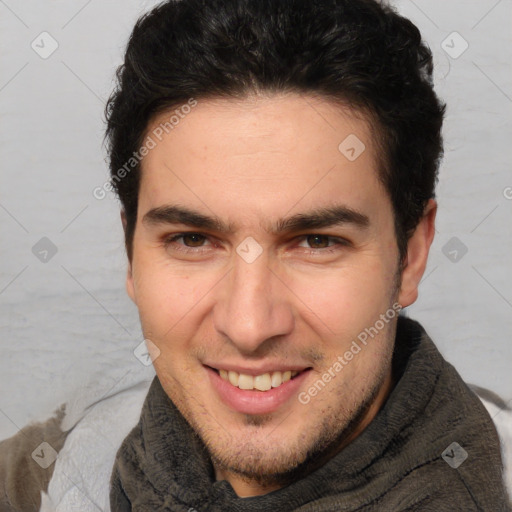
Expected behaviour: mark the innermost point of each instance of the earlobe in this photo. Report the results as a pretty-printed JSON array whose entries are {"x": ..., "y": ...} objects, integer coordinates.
[
  {"x": 418, "y": 248},
  {"x": 130, "y": 288}
]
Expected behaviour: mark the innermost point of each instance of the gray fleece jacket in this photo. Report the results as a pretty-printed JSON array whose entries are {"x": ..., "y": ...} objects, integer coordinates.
[{"x": 431, "y": 448}]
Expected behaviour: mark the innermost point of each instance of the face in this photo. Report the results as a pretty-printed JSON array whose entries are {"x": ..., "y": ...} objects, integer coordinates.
[{"x": 262, "y": 255}]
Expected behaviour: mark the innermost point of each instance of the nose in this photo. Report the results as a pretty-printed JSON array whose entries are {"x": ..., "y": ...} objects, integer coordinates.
[{"x": 253, "y": 305}]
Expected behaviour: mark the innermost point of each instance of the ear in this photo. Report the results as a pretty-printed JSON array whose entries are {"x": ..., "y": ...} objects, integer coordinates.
[
  {"x": 418, "y": 248},
  {"x": 130, "y": 288}
]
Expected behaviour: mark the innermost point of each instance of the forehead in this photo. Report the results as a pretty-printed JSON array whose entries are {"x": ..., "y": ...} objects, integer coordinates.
[{"x": 261, "y": 156}]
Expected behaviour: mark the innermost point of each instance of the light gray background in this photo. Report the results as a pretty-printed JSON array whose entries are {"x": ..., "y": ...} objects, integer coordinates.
[{"x": 66, "y": 324}]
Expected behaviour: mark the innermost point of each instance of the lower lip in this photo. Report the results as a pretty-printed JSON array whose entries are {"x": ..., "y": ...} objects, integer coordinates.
[{"x": 256, "y": 402}]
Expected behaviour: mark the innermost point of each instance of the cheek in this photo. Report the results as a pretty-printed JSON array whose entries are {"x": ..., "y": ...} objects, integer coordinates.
[
  {"x": 164, "y": 297},
  {"x": 345, "y": 299}
]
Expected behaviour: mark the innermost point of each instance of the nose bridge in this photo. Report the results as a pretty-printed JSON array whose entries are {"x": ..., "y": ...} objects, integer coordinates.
[{"x": 253, "y": 306}]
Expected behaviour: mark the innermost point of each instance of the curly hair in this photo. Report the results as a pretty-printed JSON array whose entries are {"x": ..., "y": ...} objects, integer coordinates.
[{"x": 360, "y": 53}]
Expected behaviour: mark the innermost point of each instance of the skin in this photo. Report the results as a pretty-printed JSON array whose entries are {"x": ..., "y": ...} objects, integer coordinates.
[{"x": 303, "y": 301}]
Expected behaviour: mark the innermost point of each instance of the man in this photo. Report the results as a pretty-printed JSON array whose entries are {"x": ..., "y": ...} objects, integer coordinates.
[
  {"x": 279, "y": 220},
  {"x": 276, "y": 164}
]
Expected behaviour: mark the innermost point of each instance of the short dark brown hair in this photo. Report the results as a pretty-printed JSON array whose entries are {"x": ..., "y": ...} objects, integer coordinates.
[{"x": 357, "y": 52}]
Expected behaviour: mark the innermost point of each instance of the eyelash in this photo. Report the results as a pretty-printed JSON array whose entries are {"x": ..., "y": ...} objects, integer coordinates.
[{"x": 339, "y": 243}]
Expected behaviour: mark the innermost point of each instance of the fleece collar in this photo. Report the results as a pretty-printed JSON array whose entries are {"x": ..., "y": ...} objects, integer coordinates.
[{"x": 163, "y": 465}]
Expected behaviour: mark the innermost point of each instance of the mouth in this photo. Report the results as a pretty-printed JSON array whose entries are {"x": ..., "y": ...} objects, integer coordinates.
[
  {"x": 257, "y": 394},
  {"x": 263, "y": 382}
]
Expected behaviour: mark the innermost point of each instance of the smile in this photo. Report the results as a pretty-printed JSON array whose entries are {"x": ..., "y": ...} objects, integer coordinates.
[
  {"x": 260, "y": 393},
  {"x": 263, "y": 382}
]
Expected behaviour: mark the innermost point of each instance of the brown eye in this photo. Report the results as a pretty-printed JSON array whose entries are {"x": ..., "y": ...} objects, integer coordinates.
[
  {"x": 193, "y": 239},
  {"x": 318, "y": 241},
  {"x": 187, "y": 243}
]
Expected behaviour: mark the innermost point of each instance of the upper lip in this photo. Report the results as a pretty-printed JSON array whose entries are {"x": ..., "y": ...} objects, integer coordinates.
[{"x": 266, "y": 368}]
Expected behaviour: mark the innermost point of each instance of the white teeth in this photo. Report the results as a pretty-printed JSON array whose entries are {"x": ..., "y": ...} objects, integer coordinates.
[
  {"x": 262, "y": 382},
  {"x": 233, "y": 378},
  {"x": 245, "y": 381},
  {"x": 277, "y": 379}
]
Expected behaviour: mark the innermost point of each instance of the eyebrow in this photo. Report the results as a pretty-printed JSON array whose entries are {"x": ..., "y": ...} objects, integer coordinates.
[{"x": 314, "y": 219}]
